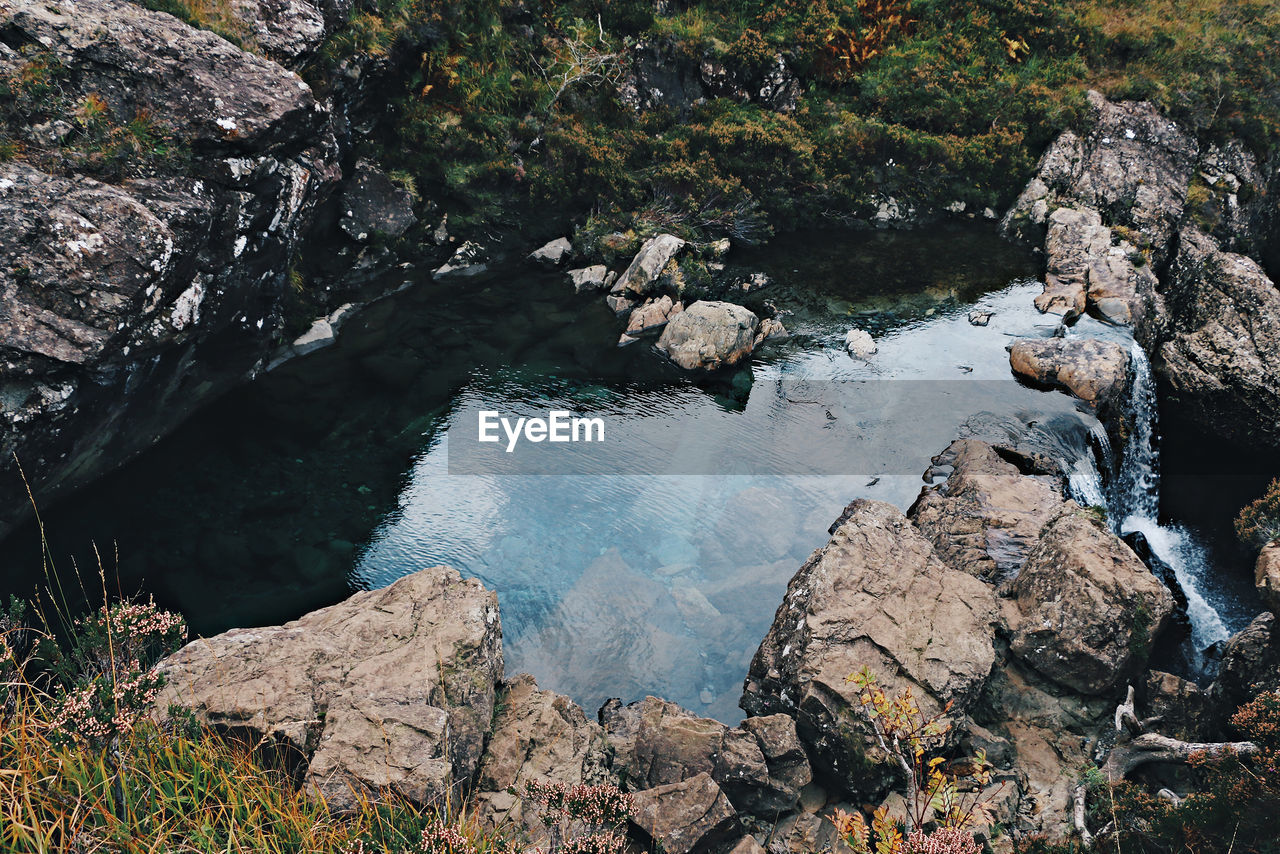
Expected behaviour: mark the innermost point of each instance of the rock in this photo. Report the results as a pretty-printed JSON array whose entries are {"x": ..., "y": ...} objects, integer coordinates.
[
  {"x": 1266, "y": 576},
  {"x": 1088, "y": 266},
  {"x": 709, "y": 335},
  {"x": 107, "y": 290},
  {"x": 1221, "y": 353},
  {"x": 876, "y": 595},
  {"x": 1088, "y": 608},
  {"x": 374, "y": 205},
  {"x": 719, "y": 249},
  {"x": 589, "y": 279},
  {"x": 468, "y": 260},
  {"x": 1180, "y": 704},
  {"x": 803, "y": 833},
  {"x": 860, "y": 344},
  {"x": 393, "y": 689},
  {"x": 987, "y": 516},
  {"x": 687, "y": 817},
  {"x": 620, "y": 304},
  {"x": 770, "y": 328},
  {"x": 552, "y": 255},
  {"x": 747, "y": 845},
  {"x": 1095, "y": 371},
  {"x": 1250, "y": 665},
  {"x": 1133, "y": 167},
  {"x": 761, "y": 768},
  {"x": 288, "y": 31},
  {"x": 537, "y": 735},
  {"x": 980, "y": 318},
  {"x": 653, "y": 314},
  {"x": 641, "y": 276}
]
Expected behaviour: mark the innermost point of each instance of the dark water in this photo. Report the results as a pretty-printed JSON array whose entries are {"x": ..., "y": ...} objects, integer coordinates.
[{"x": 332, "y": 473}]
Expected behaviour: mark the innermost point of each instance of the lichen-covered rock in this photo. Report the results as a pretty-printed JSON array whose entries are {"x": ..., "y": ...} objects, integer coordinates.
[
  {"x": 393, "y": 689},
  {"x": 1093, "y": 370},
  {"x": 1221, "y": 353},
  {"x": 1266, "y": 576},
  {"x": 374, "y": 206},
  {"x": 641, "y": 276},
  {"x": 709, "y": 335},
  {"x": 1088, "y": 608},
  {"x": 537, "y": 735},
  {"x": 688, "y": 817},
  {"x": 987, "y": 516},
  {"x": 1132, "y": 166},
  {"x": 876, "y": 595}
]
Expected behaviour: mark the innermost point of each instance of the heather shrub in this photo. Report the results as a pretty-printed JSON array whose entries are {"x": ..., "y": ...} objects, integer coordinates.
[
  {"x": 581, "y": 819},
  {"x": 1259, "y": 521}
]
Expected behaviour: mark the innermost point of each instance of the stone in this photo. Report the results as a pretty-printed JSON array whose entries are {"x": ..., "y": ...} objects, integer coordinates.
[
  {"x": 589, "y": 279},
  {"x": 1183, "y": 708},
  {"x": 642, "y": 275},
  {"x": 709, "y": 335},
  {"x": 468, "y": 260},
  {"x": 987, "y": 516},
  {"x": 878, "y": 596},
  {"x": 1088, "y": 608},
  {"x": 688, "y": 817},
  {"x": 770, "y": 329},
  {"x": 374, "y": 205},
  {"x": 288, "y": 31},
  {"x": 391, "y": 690},
  {"x": 620, "y": 304},
  {"x": 537, "y": 735},
  {"x": 747, "y": 845},
  {"x": 553, "y": 254},
  {"x": 860, "y": 344},
  {"x": 980, "y": 318},
  {"x": 1093, "y": 370},
  {"x": 1221, "y": 353},
  {"x": 1266, "y": 576},
  {"x": 1250, "y": 665},
  {"x": 653, "y": 314},
  {"x": 803, "y": 833}
]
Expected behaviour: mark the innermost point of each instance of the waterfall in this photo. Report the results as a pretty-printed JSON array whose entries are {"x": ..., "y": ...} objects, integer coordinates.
[{"x": 1134, "y": 505}]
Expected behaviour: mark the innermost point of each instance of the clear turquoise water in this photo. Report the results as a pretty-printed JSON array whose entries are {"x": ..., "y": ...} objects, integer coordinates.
[{"x": 332, "y": 472}]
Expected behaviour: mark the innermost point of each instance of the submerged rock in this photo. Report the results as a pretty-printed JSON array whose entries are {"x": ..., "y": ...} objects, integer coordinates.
[
  {"x": 709, "y": 335},
  {"x": 860, "y": 344},
  {"x": 391, "y": 689}
]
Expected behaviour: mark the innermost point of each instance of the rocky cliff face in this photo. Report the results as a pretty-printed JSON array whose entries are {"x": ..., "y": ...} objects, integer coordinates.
[
  {"x": 166, "y": 183},
  {"x": 1141, "y": 227}
]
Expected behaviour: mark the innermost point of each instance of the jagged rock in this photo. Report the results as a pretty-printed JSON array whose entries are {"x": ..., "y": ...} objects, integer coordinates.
[
  {"x": 107, "y": 290},
  {"x": 642, "y": 275},
  {"x": 770, "y": 329},
  {"x": 747, "y": 845},
  {"x": 876, "y": 595},
  {"x": 620, "y": 304},
  {"x": 392, "y": 689},
  {"x": 1088, "y": 608},
  {"x": 373, "y": 204},
  {"x": 468, "y": 260},
  {"x": 285, "y": 30},
  {"x": 1089, "y": 267},
  {"x": 537, "y": 735},
  {"x": 709, "y": 335},
  {"x": 553, "y": 255},
  {"x": 860, "y": 344},
  {"x": 1222, "y": 349},
  {"x": 1093, "y": 370},
  {"x": 687, "y": 817},
  {"x": 1266, "y": 576},
  {"x": 760, "y": 768},
  {"x": 803, "y": 833},
  {"x": 1132, "y": 166},
  {"x": 987, "y": 516},
  {"x": 1183, "y": 708},
  {"x": 653, "y": 314},
  {"x": 1230, "y": 198},
  {"x": 1250, "y": 665},
  {"x": 589, "y": 279},
  {"x": 980, "y": 318}
]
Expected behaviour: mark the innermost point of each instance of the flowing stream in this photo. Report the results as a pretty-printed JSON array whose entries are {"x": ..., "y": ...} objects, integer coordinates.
[{"x": 657, "y": 567}]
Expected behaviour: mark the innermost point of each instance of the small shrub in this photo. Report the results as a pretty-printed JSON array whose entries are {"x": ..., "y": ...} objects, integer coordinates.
[
  {"x": 1259, "y": 521},
  {"x": 581, "y": 819}
]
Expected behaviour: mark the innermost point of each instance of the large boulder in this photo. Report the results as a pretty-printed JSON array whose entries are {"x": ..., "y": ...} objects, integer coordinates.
[
  {"x": 537, "y": 736},
  {"x": 1093, "y": 370},
  {"x": 1266, "y": 576},
  {"x": 688, "y": 817},
  {"x": 1250, "y": 665},
  {"x": 641, "y": 277},
  {"x": 760, "y": 765},
  {"x": 987, "y": 516},
  {"x": 709, "y": 335},
  {"x": 1132, "y": 166},
  {"x": 391, "y": 690},
  {"x": 1221, "y": 353},
  {"x": 1087, "y": 607},
  {"x": 877, "y": 596}
]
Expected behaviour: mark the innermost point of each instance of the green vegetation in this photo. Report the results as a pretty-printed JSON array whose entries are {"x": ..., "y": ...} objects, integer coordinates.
[
  {"x": 1259, "y": 521},
  {"x": 506, "y": 104}
]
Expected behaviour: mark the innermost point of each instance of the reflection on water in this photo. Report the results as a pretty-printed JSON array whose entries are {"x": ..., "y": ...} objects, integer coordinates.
[{"x": 332, "y": 472}]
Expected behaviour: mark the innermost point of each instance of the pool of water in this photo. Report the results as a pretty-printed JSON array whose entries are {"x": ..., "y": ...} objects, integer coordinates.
[{"x": 655, "y": 564}]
